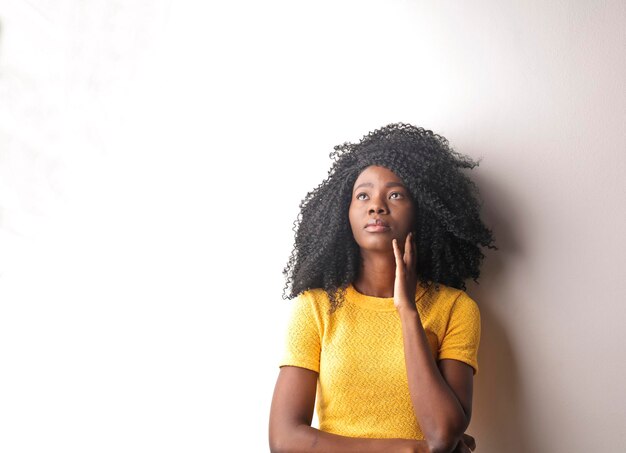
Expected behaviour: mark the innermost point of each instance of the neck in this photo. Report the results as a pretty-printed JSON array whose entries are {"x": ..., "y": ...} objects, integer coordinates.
[{"x": 377, "y": 274}]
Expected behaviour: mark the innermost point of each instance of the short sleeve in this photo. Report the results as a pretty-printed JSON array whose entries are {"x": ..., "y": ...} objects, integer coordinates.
[
  {"x": 303, "y": 338},
  {"x": 462, "y": 336}
]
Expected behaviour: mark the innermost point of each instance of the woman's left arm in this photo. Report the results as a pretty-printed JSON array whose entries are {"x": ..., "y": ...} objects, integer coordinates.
[{"x": 441, "y": 396}]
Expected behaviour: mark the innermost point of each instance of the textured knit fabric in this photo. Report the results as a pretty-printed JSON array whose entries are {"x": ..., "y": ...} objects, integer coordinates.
[{"x": 358, "y": 351}]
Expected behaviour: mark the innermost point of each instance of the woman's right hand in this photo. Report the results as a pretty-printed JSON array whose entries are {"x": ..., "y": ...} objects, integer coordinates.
[{"x": 467, "y": 445}]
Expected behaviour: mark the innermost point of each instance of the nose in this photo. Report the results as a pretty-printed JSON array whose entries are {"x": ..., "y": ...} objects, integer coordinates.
[{"x": 378, "y": 206}]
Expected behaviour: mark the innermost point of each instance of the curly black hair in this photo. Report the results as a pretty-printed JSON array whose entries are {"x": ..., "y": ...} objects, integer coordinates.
[{"x": 447, "y": 224}]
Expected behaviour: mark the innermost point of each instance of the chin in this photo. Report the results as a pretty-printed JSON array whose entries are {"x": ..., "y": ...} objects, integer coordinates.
[{"x": 382, "y": 244}]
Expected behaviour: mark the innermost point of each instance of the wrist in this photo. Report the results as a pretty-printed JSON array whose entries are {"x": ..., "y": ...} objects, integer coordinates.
[{"x": 407, "y": 310}]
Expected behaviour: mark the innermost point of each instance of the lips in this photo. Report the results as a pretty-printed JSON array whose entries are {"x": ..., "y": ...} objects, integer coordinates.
[
  {"x": 376, "y": 222},
  {"x": 377, "y": 226}
]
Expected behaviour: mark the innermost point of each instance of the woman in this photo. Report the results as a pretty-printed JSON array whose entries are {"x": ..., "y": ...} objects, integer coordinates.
[{"x": 382, "y": 332}]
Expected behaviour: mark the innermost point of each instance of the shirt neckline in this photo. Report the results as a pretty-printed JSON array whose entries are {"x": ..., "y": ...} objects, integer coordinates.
[{"x": 376, "y": 303}]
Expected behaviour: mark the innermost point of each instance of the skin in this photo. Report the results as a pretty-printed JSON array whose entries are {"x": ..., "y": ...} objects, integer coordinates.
[
  {"x": 379, "y": 194},
  {"x": 441, "y": 392}
]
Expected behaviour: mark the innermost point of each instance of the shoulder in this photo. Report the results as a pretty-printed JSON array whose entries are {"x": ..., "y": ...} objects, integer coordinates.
[
  {"x": 315, "y": 302},
  {"x": 450, "y": 297},
  {"x": 465, "y": 304},
  {"x": 449, "y": 305},
  {"x": 314, "y": 297},
  {"x": 464, "y": 312}
]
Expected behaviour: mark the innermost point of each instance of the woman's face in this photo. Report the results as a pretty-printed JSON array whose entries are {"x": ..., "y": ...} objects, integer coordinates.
[{"x": 381, "y": 209}]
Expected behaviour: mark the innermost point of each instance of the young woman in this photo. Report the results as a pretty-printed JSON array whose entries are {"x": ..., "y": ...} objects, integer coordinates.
[{"x": 382, "y": 331}]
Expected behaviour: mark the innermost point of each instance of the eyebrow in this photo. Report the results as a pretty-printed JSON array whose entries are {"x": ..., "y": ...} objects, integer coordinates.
[{"x": 389, "y": 184}]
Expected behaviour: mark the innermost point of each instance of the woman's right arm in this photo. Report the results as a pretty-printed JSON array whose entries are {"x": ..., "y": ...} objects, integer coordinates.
[{"x": 292, "y": 412}]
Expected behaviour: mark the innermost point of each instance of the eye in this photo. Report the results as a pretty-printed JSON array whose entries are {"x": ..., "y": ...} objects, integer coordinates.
[
  {"x": 358, "y": 197},
  {"x": 399, "y": 195}
]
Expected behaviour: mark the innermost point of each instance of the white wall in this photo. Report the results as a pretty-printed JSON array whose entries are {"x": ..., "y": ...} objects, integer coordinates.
[{"x": 152, "y": 159}]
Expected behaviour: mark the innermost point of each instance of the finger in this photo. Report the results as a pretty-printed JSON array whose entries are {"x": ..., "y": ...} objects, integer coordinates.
[
  {"x": 469, "y": 441},
  {"x": 461, "y": 448},
  {"x": 407, "y": 248},
  {"x": 398, "y": 255},
  {"x": 409, "y": 251}
]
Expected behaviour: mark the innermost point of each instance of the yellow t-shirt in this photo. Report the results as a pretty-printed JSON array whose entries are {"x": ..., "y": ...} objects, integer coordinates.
[{"x": 358, "y": 351}]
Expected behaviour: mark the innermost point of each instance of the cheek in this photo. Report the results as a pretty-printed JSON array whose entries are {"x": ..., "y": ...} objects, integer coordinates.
[{"x": 408, "y": 220}]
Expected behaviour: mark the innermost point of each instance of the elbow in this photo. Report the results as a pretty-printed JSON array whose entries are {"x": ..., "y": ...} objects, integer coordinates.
[
  {"x": 276, "y": 447},
  {"x": 445, "y": 442},
  {"x": 284, "y": 441},
  {"x": 442, "y": 446},
  {"x": 288, "y": 437},
  {"x": 278, "y": 444}
]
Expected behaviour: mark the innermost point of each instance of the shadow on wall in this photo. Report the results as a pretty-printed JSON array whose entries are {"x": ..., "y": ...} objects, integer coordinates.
[{"x": 499, "y": 416}]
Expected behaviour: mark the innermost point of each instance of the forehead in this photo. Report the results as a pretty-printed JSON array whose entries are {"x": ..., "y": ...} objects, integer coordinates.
[{"x": 377, "y": 175}]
